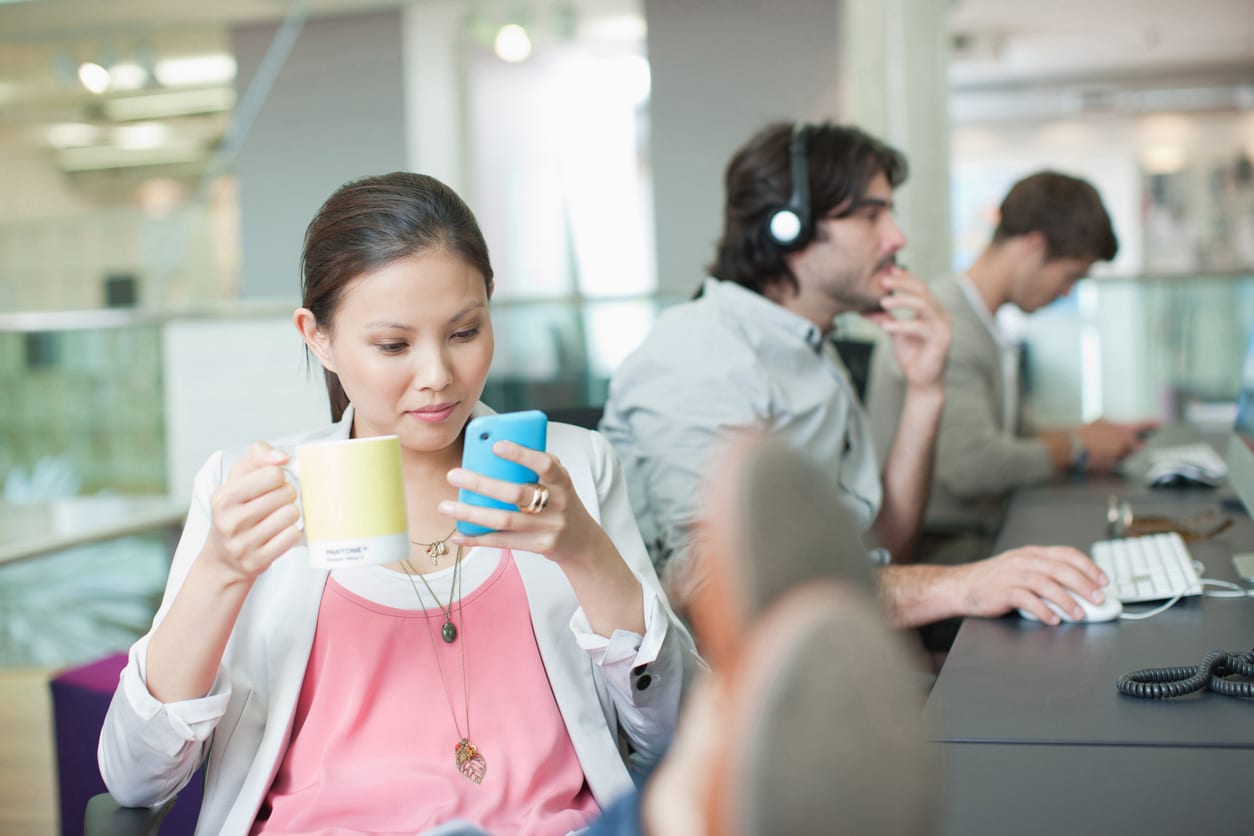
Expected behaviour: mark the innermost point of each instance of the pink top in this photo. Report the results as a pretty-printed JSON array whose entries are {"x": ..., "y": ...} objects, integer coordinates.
[{"x": 374, "y": 752}]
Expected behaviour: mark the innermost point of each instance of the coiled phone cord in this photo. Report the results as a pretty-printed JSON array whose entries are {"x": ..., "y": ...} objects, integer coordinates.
[{"x": 1165, "y": 683}]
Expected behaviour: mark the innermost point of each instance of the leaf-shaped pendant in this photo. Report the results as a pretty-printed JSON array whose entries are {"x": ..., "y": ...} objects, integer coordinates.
[{"x": 470, "y": 762}]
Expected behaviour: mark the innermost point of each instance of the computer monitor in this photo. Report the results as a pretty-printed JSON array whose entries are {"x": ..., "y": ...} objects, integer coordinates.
[{"x": 1241, "y": 444}]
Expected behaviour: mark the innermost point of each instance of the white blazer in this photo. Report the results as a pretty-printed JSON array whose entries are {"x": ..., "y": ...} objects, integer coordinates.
[{"x": 149, "y": 752}]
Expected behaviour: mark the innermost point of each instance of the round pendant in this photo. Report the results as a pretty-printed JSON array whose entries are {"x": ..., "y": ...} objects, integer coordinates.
[{"x": 448, "y": 632}]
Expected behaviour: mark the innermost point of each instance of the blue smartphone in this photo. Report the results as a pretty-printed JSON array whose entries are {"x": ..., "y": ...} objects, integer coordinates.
[{"x": 529, "y": 429}]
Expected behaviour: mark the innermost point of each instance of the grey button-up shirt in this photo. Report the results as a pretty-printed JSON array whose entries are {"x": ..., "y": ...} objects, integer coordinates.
[{"x": 729, "y": 360}]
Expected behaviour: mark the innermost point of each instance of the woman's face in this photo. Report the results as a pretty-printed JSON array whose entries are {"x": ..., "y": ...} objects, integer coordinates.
[{"x": 412, "y": 344}]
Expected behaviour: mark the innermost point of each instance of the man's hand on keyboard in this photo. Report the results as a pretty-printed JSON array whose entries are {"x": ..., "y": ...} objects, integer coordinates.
[
  {"x": 1108, "y": 442},
  {"x": 1020, "y": 578}
]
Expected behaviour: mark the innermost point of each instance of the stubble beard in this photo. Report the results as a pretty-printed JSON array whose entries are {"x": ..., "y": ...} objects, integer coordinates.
[
  {"x": 852, "y": 295},
  {"x": 853, "y": 292}
]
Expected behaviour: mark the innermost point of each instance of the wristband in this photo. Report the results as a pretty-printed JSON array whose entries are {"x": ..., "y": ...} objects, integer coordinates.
[{"x": 1079, "y": 454}]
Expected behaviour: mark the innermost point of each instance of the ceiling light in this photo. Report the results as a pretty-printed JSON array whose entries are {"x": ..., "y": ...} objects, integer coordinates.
[
  {"x": 143, "y": 136},
  {"x": 94, "y": 77},
  {"x": 169, "y": 103},
  {"x": 102, "y": 157},
  {"x": 195, "y": 70},
  {"x": 127, "y": 75},
  {"x": 72, "y": 134},
  {"x": 627, "y": 28},
  {"x": 1163, "y": 158},
  {"x": 512, "y": 44}
]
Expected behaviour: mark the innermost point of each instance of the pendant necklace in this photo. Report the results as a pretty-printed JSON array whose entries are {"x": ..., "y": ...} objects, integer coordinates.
[
  {"x": 470, "y": 761},
  {"x": 436, "y": 548},
  {"x": 449, "y": 631}
]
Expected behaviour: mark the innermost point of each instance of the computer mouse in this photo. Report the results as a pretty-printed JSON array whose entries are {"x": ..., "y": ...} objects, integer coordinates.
[
  {"x": 1108, "y": 610},
  {"x": 1182, "y": 480}
]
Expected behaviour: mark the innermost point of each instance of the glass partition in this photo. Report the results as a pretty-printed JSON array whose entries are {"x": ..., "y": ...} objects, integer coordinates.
[
  {"x": 93, "y": 398},
  {"x": 84, "y": 402},
  {"x": 1155, "y": 347},
  {"x": 87, "y": 408}
]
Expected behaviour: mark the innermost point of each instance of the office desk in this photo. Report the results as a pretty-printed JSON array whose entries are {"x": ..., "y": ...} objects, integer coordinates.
[
  {"x": 1010, "y": 680},
  {"x": 1083, "y": 790},
  {"x": 1013, "y": 681},
  {"x": 1036, "y": 736}
]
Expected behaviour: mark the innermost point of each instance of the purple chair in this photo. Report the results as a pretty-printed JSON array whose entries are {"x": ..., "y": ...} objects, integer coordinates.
[{"x": 80, "y": 698}]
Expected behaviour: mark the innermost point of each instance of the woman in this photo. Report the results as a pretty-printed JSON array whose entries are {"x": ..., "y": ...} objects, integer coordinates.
[{"x": 335, "y": 702}]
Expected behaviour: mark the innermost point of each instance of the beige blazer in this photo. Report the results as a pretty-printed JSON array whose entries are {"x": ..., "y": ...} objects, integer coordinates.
[{"x": 979, "y": 459}]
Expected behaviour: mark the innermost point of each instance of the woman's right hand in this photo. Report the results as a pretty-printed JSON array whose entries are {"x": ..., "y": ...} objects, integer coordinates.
[
  {"x": 253, "y": 521},
  {"x": 254, "y": 515}
]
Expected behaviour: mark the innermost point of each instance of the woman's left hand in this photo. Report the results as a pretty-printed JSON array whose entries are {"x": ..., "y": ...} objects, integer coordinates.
[{"x": 562, "y": 530}]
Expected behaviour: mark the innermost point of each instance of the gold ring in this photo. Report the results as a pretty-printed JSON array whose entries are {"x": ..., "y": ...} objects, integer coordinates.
[{"x": 539, "y": 500}]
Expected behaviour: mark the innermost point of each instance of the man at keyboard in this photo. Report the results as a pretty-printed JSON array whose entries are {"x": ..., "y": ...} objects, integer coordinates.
[
  {"x": 753, "y": 352},
  {"x": 1052, "y": 229}
]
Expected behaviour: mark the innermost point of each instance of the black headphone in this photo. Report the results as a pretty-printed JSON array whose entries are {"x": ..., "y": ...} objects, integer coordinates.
[{"x": 789, "y": 227}]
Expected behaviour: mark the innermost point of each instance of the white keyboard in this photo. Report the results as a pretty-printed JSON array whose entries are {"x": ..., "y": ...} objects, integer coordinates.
[{"x": 1148, "y": 568}]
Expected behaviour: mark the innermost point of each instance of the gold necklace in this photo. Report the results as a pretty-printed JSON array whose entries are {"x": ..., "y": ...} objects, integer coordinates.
[
  {"x": 470, "y": 761},
  {"x": 436, "y": 548},
  {"x": 449, "y": 631}
]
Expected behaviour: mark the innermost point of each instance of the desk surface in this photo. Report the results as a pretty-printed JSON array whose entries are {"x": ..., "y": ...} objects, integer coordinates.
[
  {"x": 1049, "y": 790},
  {"x": 1045, "y": 516},
  {"x": 1010, "y": 680}
]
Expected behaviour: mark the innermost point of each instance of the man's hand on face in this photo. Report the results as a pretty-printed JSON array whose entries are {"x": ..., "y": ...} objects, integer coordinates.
[{"x": 918, "y": 326}]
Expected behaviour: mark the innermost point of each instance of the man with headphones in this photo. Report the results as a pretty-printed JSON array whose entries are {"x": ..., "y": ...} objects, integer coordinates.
[{"x": 809, "y": 233}]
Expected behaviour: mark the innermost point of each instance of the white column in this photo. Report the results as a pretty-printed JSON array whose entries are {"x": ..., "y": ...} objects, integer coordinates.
[
  {"x": 435, "y": 126},
  {"x": 895, "y": 86}
]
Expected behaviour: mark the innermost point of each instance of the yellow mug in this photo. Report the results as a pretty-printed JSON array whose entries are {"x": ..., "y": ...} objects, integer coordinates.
[{"x": 352, "y": 497}]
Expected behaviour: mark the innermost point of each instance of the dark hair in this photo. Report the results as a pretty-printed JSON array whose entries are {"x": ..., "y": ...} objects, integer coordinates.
[
  {"x": 372, "y": 222},
  {"x": 841, "y": 161},
  {"x": 1067, "y": 210}
]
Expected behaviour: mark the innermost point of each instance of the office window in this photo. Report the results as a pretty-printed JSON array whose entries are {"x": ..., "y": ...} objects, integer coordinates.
[
  {"x": 559, "y": 161},
  {"x": 561, "y": 183}
]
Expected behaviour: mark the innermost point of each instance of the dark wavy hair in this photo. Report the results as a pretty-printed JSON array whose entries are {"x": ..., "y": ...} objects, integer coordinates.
[
  {"x": 841, "y": 161},
  {"x": 370, "y": 223},
  {"x": 1068, "y": 211}
]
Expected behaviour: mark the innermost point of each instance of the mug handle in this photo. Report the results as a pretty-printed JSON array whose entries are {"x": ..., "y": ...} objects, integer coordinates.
[{"x": 294, "y": 481}]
